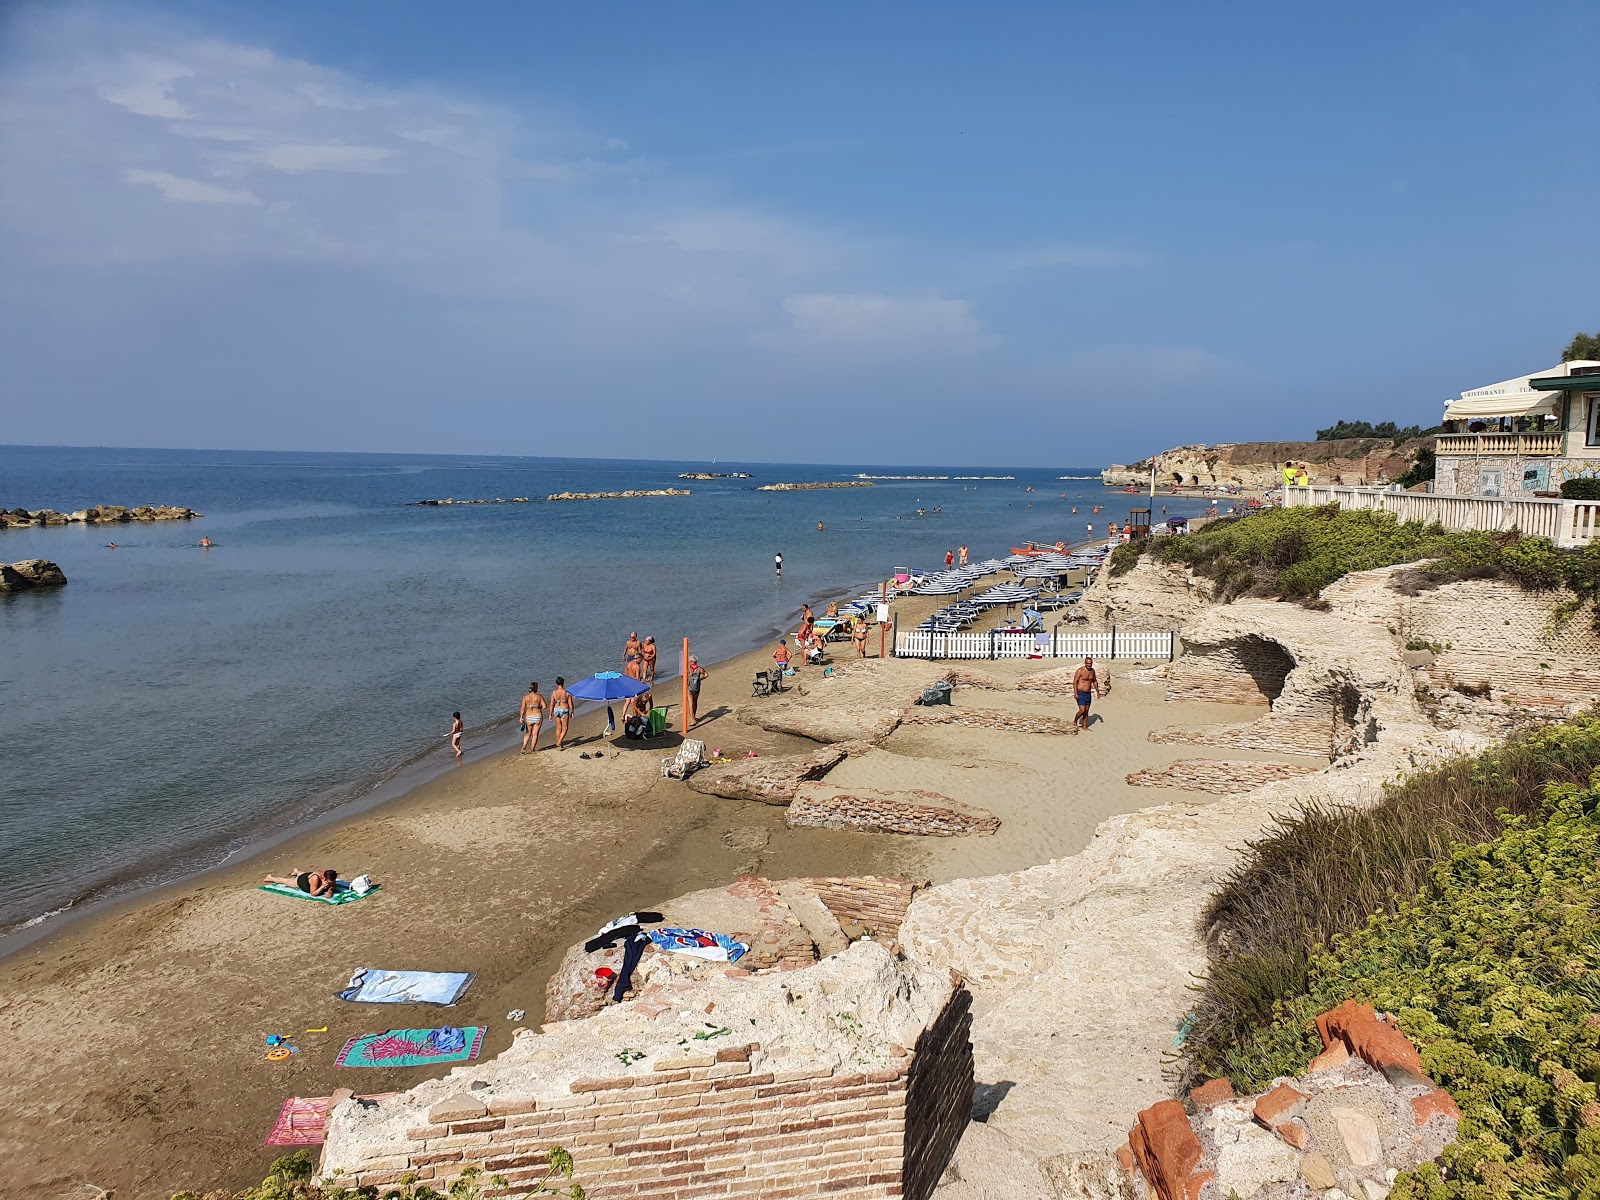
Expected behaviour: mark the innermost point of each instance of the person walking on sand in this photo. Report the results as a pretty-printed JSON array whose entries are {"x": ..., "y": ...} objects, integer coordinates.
[
  {"x": 1085, "y": 683},
  {"x": 858, "y": 635},
  {"x": 695, "y": 677},
  {"x": 561, "y": 709},
  {"x": 455, "y": 735},
  {"x": 648, "y": 656},
  {"x": 532, "y": 716},
  {"x": 777, "y": 562}
]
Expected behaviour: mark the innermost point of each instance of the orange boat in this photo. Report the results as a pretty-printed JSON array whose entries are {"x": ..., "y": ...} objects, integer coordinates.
[{"x": 1033, "y": 548}]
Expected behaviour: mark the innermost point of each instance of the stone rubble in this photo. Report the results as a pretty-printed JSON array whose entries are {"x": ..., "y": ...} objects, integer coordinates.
[
  {"x": 875, "y": 810},
  {"x": 30, "y": 573},
  {"x": 1217, "y": 775},
  {"x": 100, "y": 514}
]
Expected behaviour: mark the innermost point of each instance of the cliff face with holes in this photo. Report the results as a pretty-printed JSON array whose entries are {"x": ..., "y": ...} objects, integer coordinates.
[{"x": 1257, "y": 465}]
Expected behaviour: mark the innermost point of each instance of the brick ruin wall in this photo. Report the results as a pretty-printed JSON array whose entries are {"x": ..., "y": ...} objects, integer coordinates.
[
  {"x": 1222, "y": 777},
  {"x": 1247, "y": 670},
  {"x": 1271, "y": 734},
  {"x": 874, "y": 904},
  {"x": 721, "y": 1123},
  {"x": 873, "y": 810}
]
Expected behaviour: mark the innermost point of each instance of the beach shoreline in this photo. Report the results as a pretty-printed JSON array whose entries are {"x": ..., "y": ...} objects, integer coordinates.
[{"x": 346, "y": 803}]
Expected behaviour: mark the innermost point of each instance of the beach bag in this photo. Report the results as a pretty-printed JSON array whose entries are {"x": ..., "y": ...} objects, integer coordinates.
[
  {"x": 361, "y": 884},
  {"x": 447, "y": 1039}
]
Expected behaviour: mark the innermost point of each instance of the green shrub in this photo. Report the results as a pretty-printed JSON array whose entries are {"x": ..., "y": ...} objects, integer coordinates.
[
  {"x": 1325, "y": 871},
  {"x": 1124, "y": 558},
  {"x": 1587, "y": 488},
  {"x": 1493, "y": 971}
]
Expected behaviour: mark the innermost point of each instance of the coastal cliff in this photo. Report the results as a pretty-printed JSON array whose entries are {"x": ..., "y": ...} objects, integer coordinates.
[{"x": 1255, "y": 466}]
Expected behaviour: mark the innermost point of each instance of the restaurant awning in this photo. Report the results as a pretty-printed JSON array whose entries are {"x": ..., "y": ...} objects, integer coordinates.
[
  {"x": 1513, "y": 398},
  {"x": 1581, "y": 377}
]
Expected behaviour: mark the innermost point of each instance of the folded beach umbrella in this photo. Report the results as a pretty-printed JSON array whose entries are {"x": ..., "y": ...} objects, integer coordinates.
[
  {"x": 1006, "y": 593},
  {"x": 607, "y": 685}
]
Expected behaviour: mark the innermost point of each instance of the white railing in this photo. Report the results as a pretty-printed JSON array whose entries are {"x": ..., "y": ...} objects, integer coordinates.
[
  {"x": 1529, "y": 445},
  {"x": 1565, "y": 522},
  {"x": 1115, "y": 643}
]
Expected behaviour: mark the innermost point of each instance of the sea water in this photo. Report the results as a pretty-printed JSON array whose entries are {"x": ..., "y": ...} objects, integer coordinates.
[{"x": 173, "y": 705}]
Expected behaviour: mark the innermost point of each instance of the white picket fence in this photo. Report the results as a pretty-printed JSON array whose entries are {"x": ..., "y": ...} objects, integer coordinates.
[{"x": 1115, "y": 643}]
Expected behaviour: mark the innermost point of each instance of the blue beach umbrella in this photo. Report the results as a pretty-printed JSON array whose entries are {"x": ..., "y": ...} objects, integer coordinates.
[{"x": 607, "y": 685}]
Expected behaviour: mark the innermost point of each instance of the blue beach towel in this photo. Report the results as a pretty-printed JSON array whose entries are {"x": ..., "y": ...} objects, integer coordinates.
[
  {"x": 717, "y": 947},
  {"x": 372, "y": 986}
]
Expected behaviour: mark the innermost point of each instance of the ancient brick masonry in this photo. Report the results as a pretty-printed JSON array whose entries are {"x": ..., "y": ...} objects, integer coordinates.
[
  {"x": 876, "y": 811},
  {"x": 1216, "y": 775},
  {"x": 1362, "y": 1111},
  {"x": 1246, "y": 670},
  {"x": 1273, "y": 734},
  {"x": 989, "y": 718},
  {"x": 806, "y": 1097}
]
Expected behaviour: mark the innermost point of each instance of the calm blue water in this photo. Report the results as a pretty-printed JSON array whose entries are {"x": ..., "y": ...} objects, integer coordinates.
[{"x": 171, "y": 704}]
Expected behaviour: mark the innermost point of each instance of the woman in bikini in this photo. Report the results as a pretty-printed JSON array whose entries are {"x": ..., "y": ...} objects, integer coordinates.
[
  {"x": 532, "y": 715},
  {"x": 648, "y": 655},
  {"x": 312, "y": 883},
  {"x": 456, "y": 730},
  {"x": 561, "y": 709},
  {"x": 859, "y": 636}
]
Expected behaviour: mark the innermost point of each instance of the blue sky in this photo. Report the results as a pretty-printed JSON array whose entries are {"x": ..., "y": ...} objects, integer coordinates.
[{"x": 1029, "y": 234}]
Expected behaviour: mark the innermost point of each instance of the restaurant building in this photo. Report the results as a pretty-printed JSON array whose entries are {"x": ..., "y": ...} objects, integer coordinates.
[{"x": 1524, "y": 437}]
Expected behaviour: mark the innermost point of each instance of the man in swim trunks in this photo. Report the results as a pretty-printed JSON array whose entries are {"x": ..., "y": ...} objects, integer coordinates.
[
  {"x": 532, "y": 716},
  {"x": 633, "y": 658},
  {"x": 648, "y": 654},
  {"x": 1085, "y": 683},
  {"x": 561, "y": 703},
  {"x": 312, "y": 883}
]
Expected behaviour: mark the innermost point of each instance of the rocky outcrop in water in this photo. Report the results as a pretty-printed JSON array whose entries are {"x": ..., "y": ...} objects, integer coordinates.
[
  {"x": 715, "y": 475},
  {"x": 811, "y": 487},
  {"x": 100, "y": 514},
  {"x": 30, "y": 573},
  {"x": 453, "y": 500},
  {"x": 628, "y": 495}
]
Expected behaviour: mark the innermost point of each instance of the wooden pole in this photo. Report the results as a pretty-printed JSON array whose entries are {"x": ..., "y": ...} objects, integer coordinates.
[{"x": 686, "y": 723}]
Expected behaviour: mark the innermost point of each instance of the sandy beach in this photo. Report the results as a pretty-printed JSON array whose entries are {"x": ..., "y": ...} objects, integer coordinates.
[{"x": 134, "y": 1052}]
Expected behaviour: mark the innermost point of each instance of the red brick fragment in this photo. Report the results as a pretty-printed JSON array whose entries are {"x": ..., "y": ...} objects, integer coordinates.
[
  {"x": 1211, "y": 1093},
  {"x": 1125, "y": 1158},
  {"x": 1380, "y": 1045},
  {"x": 1436, "y": 1103},
  {"x": 1335, "y": 1055},
  {"x": 1273, "y": 1108},
  {"x": 1294, "y": 1133},
  {"x": 1167, "y": 1150}
]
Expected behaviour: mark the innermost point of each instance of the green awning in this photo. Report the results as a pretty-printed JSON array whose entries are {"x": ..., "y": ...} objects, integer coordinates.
[{"x": 1566, "y": 383}]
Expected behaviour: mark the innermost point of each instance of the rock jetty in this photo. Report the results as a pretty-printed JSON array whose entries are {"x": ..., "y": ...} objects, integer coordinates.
[
  {"x": 453, "y": 500},
  {"x": 715, "y": 475},
  {"x": 30, "y": 573},
  {"x": 628, "y": 495},
  {"x": 811, "y": 487},
  {"x": 100, "y": 514}
]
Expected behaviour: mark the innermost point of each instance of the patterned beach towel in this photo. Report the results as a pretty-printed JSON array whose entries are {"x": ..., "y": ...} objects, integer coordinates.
[
  {"x": 369, "y": 985},
  {"x": 303, "y": 1120},
  {"x": 343, "y": 895},
  {"x": 406, "y": 1048},
  {"x": 718, "y": 947}
]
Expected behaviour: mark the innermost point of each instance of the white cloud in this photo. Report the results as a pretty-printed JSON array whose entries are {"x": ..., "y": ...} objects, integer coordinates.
[
  {"x": 188, "y": 191},
  {"x": 144, "y": 86},
  {"x": 862, "y": 321},
  {"x": 296, "y": 159}
]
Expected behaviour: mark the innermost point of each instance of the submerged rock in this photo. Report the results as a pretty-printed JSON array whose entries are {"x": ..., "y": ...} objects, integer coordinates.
[{"x": 30, "y": 573}]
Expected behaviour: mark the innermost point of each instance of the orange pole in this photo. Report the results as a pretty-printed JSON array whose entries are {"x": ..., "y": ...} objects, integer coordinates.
[{"x": 686, "y": 724}]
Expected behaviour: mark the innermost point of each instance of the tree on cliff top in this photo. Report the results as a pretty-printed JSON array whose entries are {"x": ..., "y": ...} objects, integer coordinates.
[
  {"x": 1583, "y": 345},
  {"x": 1366, "y": 429}
]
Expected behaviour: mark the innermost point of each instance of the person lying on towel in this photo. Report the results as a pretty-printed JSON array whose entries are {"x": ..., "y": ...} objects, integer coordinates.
[{"x": 313, "y": 883}]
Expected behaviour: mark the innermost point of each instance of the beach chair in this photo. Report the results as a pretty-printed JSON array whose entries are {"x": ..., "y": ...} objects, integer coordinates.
[
  {"x": 762, "y": 685},
  {"x": 775, "y": 679},
  {"x": 658, "y": 723},
  {"x": 690, "y": 757}
]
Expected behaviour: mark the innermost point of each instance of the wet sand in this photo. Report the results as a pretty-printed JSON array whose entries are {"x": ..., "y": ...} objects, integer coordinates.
[{"x": 133, "y": 1042}]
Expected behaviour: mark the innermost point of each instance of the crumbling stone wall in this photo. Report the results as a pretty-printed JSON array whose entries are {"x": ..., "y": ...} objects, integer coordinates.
[
  {"x": 871, "y": 904},
  {"x": 1246, "y": 670},
  {"x": 851, "y": 1078},
  {"x": 1225, "y": 778}
]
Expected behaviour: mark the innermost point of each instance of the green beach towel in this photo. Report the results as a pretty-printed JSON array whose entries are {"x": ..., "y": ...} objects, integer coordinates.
[
  {"x": 340, "y": 896},
  {"x": 406, "y": 1048}
]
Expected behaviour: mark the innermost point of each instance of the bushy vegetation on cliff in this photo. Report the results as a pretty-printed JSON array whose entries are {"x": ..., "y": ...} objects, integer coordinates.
[
  {"x": 1294, "y": 553},
  {"x": 1366, "y": 429},
  {"x": 1467, "y": 902}
]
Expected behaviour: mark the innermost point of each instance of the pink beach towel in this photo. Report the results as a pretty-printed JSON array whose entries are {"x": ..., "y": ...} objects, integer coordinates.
[{"x": 303, "y": 1119}]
